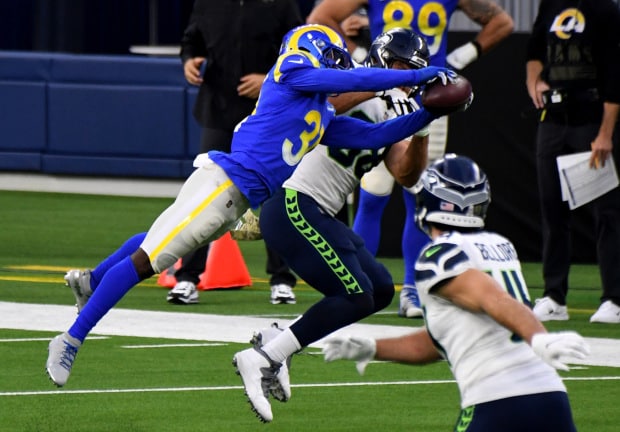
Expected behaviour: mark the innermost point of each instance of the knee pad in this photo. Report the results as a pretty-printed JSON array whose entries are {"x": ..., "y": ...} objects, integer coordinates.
[
  {"x": 378, "y": 181},
  {"x": 438, "y": 138}
]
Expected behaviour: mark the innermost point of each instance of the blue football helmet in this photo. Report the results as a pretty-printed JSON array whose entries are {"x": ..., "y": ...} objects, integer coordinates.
[
  {"x": 398, "y": 44},
  {"x": 321, "y": 42},
  {"x": 453, "y": 191}
]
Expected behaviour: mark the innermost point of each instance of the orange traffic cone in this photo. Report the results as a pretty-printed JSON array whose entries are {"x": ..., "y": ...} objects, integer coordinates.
[{"x": 225, "y": 267}]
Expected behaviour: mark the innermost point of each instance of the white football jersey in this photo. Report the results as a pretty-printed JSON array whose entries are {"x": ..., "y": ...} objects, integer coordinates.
[
  {"x": 487, "y": 360},
  {"x": 328, "y": 174}
]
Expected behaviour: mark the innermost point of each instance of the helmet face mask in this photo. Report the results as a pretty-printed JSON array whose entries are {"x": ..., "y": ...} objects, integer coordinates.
[
  {"x": 321, "y": 42},
  {"x": 452, "y": 192}
]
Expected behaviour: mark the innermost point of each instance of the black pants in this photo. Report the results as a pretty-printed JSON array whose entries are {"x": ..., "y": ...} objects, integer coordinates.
[
  {"x": 194, "y": 262},
  {"x": 555, "y": 139}
]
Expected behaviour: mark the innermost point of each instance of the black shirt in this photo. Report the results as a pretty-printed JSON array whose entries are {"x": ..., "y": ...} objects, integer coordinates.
[
  {"x": 238, "y": 37},
  {"x": 578, "y": 42}
]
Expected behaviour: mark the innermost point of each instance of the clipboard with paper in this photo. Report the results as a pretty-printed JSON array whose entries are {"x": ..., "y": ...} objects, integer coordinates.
[{"x": 581, "y": 184}]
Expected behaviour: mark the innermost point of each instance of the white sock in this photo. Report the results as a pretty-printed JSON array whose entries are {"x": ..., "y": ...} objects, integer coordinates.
[{"x": 282, "y": 346}]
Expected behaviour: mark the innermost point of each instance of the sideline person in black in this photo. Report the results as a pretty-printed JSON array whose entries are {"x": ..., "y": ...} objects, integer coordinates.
[
  {"x": 573, "y": 78},
  {"x": 227, "y": 49}
]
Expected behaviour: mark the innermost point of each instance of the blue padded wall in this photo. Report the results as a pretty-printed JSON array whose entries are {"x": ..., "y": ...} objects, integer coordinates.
[{"x": 96, "y": 115}]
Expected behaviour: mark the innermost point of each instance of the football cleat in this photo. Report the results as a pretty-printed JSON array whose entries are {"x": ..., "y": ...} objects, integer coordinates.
[
  {"x": 409, "y": 306},
  {"x": 62, "y": 351},
  {"x": 608, "y": 313},
  {"x": 257, "y": 371},
  {"x": 280, "y": 388},
  {"x": 183, "y": 293},
  {"x": 79, "y": 282},
  {"x": 282, "y": 293},
  {"x": 546, "y": 309}
]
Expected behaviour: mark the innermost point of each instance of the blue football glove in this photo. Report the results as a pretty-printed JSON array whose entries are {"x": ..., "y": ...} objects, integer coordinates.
[{"x": 431, "y": 73}]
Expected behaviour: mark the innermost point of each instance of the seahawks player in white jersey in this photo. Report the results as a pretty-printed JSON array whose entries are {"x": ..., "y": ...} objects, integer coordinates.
[
  {"x": 477, "y": 313},
  {"x": 292, "y": 116},
  {"x": 299, "y": 223}
]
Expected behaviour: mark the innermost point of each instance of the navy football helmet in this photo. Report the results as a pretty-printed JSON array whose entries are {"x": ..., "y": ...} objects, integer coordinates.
[
  {"x": 453, "y": 191},
  {"x": 398, "y": 44},
  {"x": 321, "y": 42}
]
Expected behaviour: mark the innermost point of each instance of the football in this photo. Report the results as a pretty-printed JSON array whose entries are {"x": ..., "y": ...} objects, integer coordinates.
[{"x": 456, "y": 95}]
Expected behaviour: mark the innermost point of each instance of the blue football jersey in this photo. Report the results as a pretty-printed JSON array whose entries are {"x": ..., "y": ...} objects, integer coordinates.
[
  {"x": 292, "y": 115},
  {"x": 428, "y": 18}
]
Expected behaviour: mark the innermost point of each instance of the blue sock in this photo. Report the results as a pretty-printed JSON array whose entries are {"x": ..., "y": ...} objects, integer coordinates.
[
  {"x": 367, "y": 222},
  {"x": 414, "y": 239},
  {"x": 115, "y": 284},
  {"x": 129, "y": 247}
]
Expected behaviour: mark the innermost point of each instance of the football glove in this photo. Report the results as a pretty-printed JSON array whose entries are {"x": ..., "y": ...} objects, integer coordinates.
[
  {"x": 431, "y": 73},
  {"x": 247, "y": 227},
  {"x": 556, "y": 348},
  {"x": 360, "y": 349}
]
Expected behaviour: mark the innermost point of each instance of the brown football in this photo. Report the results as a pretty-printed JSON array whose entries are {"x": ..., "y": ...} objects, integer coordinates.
[{"x": 454, "y": 96}]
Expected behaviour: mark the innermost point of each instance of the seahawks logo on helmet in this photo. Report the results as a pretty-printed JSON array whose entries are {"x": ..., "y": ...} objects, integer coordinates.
[{"x": 453, "y": 191}]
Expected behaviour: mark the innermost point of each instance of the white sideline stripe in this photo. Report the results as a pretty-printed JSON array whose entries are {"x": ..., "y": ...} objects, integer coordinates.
[
  {"x": 31, "y": 182},
  {"x": 172, "y": 345},
  {"x": 220, "y": 388},
  {"x": 43, "y": 339},
  {"x": 216, "y": 328}
]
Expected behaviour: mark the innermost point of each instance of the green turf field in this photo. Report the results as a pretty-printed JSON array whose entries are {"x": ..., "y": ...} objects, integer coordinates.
[{"x": 155, "y": 384}]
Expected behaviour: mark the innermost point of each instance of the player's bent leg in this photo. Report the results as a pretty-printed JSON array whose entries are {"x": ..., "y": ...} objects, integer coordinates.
[
  {"x": 205, "y": 209},
  {"x": 412, "y": 242},
  {"x": 375, "y": 190}
]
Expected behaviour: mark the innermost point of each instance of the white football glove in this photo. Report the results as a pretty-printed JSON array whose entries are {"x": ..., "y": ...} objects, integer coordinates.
[
  {"x": 556, "y": 348},
  {"x": 462, "y": 56},
  {"x": 360, "y": 349}
]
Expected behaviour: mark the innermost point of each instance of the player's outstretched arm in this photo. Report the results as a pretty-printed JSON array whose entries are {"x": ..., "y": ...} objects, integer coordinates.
[
  {"x": 351, "y": 133},
  {"x": 360, "y": 79},
  {"x": 414, "y": 348}
]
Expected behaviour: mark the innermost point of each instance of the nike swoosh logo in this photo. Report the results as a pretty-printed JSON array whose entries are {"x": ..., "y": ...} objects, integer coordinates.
[
  {"x": 429, "y": 253},
  {"x": 299, "y": 61}
]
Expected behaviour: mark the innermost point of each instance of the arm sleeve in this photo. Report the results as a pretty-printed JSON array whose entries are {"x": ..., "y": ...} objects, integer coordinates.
[
  {"x": 361, "y": 79},
  {"x": 351, "y": 133}
]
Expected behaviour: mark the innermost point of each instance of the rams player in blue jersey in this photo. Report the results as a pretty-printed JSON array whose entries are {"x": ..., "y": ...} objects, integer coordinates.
[
  {"x": 431, "y": 20},
  {"x": 291, "y": 117}
]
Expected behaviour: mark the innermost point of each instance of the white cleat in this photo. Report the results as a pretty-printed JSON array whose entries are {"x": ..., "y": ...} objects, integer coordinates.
[
  {"x": 257, "y": 371},
  {"x": 546, "y": 309},
  {"x": 79, "y": 282},
  {"x": 62, "y": 351},
  {"x": 183, "y": 293},
  {"x": 409, "y": 303},
  {"x": 280, "y": 388},
  {"x": 608, "y": 313},
  {"x": 282, "y": 293}
]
